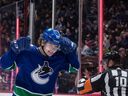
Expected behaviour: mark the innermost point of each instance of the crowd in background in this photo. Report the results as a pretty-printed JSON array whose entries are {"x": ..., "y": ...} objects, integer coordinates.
[
  {"x": 66, "y": 17},
  {"x": 66, "y": 21},
  {"x": 8, "y": 23}
]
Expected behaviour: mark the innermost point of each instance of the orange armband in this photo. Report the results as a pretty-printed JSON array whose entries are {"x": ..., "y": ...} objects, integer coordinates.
[{"x": 87, "y": 87}]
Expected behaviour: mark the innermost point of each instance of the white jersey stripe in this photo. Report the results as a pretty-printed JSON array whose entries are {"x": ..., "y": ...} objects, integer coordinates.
[
  {"x": 114, "y": 73},
  {"x": 115, "y": 92},
  {"x": 124, "y": 73},
  {"x": 123, "y": 91},
  {"x": 93, "y": 79},
  {"x": 106, "y": 79}
]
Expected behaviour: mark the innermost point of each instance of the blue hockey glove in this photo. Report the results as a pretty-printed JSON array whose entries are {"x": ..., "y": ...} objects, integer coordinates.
[
  {"x": 21, "y": 44},
  {"x": 66, "y": 45},
  {"x": 81, "y": 83}
]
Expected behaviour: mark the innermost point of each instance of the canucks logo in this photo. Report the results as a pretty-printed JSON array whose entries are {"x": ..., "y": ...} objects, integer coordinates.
[{"x": 41, "y": 74}]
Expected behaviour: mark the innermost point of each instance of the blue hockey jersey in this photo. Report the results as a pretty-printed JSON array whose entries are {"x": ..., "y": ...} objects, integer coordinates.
[{"x": 37, "y": 73}]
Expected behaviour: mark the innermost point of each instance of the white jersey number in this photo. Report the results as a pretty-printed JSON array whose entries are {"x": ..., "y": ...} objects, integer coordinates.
[{"x": 121, "y": 81}]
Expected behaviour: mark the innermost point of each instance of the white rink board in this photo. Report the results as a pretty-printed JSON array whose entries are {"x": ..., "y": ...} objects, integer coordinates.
[
  {"x": 9, "y": 94},
  {"x": 5, "y": 94},
  {"x": 95, "y": 94}
]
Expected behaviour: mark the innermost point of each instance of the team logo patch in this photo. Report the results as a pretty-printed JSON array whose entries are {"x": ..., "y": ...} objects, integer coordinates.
[{"x": 41, "y": 74}]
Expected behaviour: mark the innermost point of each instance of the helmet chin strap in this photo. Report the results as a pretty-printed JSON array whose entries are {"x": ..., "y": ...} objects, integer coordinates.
[{"x": 42, "y": 50}]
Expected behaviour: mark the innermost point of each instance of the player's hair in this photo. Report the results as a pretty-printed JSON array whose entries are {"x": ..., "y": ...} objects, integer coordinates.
[{"x": 41, "y": 42}]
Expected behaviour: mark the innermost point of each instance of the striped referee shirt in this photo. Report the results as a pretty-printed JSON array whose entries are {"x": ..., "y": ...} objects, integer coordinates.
[{"x": 112, "y": 82}]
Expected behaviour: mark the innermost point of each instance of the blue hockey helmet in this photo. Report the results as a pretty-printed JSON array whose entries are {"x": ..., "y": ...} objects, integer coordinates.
[{"x": 51, "y": 35}]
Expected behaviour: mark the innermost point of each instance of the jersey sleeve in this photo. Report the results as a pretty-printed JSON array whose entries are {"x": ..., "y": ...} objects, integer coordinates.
[
  {"x": 94, "y": 84},
  {"x": 72, "y": 58},
  {"x": 97, "y": 82},
  {"x": 8, "y": 60}
]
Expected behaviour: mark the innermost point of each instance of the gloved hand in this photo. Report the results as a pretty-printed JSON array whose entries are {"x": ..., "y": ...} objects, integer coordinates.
[
  {"x": 66, "y": 45},
  {"x": 81, "y": 83},
  {"x": 21, "y": 44}
]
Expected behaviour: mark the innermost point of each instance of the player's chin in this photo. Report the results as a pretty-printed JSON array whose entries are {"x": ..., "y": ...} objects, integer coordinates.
[{"x": 50, "y": 54}]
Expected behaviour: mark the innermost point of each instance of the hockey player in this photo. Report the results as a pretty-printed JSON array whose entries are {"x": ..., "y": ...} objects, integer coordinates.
[
  {"x": 39, "y": 66},
  {"x": 112, "y": 82}
]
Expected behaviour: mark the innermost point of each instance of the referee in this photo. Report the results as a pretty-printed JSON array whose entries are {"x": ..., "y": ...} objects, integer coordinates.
[{"x": 112, "y": 82}]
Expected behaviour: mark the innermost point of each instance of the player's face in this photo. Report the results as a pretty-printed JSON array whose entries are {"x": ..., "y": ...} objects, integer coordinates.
[
  {"x": 110, "y": 63},
  {"x": 105, "y": 64},
  {"x": 50, "y": 49}
]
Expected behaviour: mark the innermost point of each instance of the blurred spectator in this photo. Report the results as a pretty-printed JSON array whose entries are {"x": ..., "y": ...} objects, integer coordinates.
[
  {"x": 89, "y": 69},
  {"x": 66, "y": 82},
  {"x": 66, "y": 20},
  {"x": 87, "y": 49},
  {"x": 124, "y": 57},
  {"x": 7, "y": 33}
]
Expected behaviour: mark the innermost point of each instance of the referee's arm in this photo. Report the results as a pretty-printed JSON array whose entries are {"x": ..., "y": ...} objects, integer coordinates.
[{"x": 94, "y": 84}]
